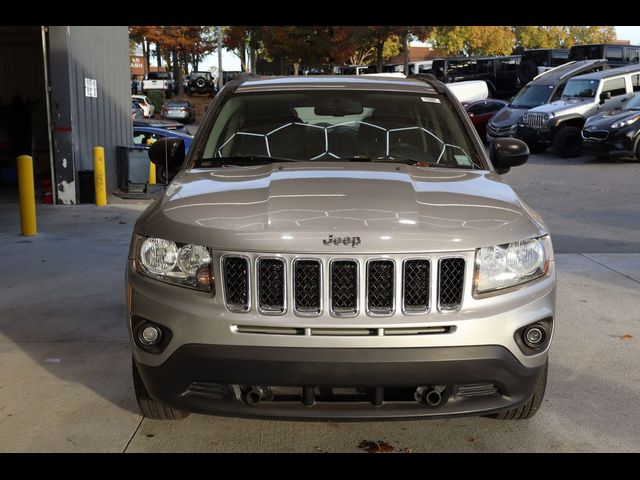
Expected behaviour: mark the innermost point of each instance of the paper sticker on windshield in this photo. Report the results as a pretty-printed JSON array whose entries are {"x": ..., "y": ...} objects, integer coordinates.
[
  {"x": 463, "y": 160},
  {"x": 430, "y": 99}
]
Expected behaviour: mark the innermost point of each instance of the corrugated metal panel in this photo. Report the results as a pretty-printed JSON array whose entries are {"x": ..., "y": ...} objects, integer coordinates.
[{"x": 102, "y": 54}]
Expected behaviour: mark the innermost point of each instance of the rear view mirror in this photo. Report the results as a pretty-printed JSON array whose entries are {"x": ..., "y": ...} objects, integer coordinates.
[
  {"x": 604, "y": 96},
  {"x": 168, "y": 155},
  {"x": 337, "y": 107},
  {"x": 508, "y": 152}
]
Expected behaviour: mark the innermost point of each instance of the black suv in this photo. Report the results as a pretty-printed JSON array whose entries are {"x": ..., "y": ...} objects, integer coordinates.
[
  {"x": 202, "y": 83},
  {"x": 500, "y": 73},
  {"x": 617, "y": 55},
  {"x": 539, "y": 60}
]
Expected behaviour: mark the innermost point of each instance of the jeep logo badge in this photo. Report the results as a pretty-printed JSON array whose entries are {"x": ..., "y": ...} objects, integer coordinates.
[{"x": 353, "y": 241}]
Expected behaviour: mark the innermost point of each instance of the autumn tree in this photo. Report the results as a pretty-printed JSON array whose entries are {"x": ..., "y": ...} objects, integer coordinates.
[
  {"x": 475, "y": 40},
  {"x": 529, "y": 36},
  {"x": 242, "y": 39}
]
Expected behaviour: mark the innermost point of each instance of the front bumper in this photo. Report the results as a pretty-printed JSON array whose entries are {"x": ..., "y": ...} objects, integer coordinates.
[
  {"x": 617, "y": 144},
  {"x": 211, "y": 379},
  {"x": 532, "y": 135}
]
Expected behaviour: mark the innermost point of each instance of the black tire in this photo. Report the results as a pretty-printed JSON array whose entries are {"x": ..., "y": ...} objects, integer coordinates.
[
  {"x": 151, "y": 408},
  {"x": 527, "y": 71},
  {"x": 568, "y": 142},
  {"x": 529, "y": 408},
  {"x": 638, "y": 150}
]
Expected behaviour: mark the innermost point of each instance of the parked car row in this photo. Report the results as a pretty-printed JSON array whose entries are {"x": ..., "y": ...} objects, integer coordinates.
[{"x": 584, "y": 105}]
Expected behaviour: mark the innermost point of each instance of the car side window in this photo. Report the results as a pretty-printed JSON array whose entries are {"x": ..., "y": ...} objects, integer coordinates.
[
  {"x": 632, "y": 55},
  {"x": 144, "y": 138},
  {"x": 635, "y": 82},
  {"x": 616, "y": 86},
  {"x": 614, "y": 54},
  {"x": 493, "y": 107}
]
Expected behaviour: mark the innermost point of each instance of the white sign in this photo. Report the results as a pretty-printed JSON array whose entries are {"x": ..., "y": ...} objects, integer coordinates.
[{"x": 90, "y": 87}]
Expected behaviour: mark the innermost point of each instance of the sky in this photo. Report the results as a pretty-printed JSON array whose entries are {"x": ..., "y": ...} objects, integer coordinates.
[{"x": 231, "y": 61}]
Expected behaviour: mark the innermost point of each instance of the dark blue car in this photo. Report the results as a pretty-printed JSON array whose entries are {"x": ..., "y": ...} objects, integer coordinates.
[{"x": 147, "y": 135}]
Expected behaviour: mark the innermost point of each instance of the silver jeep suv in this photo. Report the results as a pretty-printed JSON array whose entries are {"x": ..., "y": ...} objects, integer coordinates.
[{"x": 338, "y": 247}]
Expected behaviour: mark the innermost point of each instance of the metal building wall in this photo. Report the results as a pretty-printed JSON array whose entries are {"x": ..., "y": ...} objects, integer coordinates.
[{"x": 100, "y": 53}]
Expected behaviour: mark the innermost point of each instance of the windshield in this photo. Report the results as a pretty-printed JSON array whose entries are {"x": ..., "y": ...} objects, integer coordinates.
[
  {"x": 345, "y": 125},
  {"x": 580, "y": 88},
  {"x": 633, "y": 103},
  {"x": 158, "y": 75},
  {"x": 532, "y": 96}
]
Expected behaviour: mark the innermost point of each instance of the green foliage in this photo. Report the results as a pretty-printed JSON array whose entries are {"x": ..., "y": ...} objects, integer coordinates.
[
  {"x": 157, "y": 98},
  {"x": 474, "y": 40},
  {"x": 562, "y": 36}
]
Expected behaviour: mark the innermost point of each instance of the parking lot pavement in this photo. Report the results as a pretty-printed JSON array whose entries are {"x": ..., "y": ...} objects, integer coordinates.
[{"x": 65, "y": 373}]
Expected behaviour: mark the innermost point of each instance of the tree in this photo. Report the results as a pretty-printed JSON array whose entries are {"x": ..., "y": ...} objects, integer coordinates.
[
  {"x": 562, "y": 36},
  {"x": 475, "y": 40}
]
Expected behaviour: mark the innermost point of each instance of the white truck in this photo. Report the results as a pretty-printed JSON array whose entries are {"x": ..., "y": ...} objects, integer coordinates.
[{"x": 160, "y": 81}]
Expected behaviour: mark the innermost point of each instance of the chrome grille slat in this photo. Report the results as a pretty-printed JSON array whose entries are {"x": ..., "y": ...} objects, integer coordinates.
[
  {"x": 380, "y": 287},
  {"x": 416, "y": 281},
  {"x": 271, "y": 285},
  {"x": 344, "y": 287},
  {"x": 236, "y": 282},
  {"x": 450, "y": 283},
  {"x": 307, "y": 285},
  {"x": 535, "y": 120}
]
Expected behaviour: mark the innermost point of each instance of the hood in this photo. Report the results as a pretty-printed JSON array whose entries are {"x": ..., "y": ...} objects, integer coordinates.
[
  {"x": 563, "y": 105},
  {"x": 508, "y": 116},
  {"x": 606, "y": 119},
  {"x": 293, "y": 207}
]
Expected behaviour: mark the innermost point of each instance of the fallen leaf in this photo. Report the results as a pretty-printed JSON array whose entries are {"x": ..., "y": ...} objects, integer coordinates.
[
  {"x": 627, "y": 337},
  {"x": 375, "y": 447}
]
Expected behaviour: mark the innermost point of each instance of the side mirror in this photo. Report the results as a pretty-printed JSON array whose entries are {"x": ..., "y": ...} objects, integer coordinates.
[
  {"x": 168, "y": 155},
  {"x": 508, "y": 152},
  {"x": 604, "y": 96}
]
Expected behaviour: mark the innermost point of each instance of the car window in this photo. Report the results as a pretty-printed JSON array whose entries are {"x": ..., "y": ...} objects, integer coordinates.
[
  {"x": 632, "y": 104},
  {"x": 509, "y": 64},
  {"x": 532, "y": 96},
  {"x": 458, "y": 67},
  {"x": 635, "y": 82},
  {"x": 328, "y": 125},
  {"x": 616, "y": 86},
  {"x": 580, "y": 88},
  {"x": 613, "y": 54},
  {"x": 477, "y": 108},
  {"x": 632, "y": 55},
  {"x": 494, "y": 106}
]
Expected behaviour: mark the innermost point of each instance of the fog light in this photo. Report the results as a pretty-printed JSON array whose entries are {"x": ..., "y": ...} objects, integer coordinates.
[
  {"x": 150, "y": 335},
  {"x": 534, "y": 336}
]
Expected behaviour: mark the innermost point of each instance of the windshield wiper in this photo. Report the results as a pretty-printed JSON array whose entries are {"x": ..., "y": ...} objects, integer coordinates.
[{"x": 242, "y": 161}]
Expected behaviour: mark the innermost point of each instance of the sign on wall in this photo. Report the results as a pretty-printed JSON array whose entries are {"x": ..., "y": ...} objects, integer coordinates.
[{"x": 90, "y": 87}]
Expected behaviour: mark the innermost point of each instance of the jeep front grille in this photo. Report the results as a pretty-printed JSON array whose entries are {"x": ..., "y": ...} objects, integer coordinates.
[
  {"x": 535, "y": 120},
  {"x": 343, "y": 287}
]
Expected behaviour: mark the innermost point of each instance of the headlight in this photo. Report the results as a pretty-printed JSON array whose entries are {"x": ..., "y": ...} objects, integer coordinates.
[
  {"x": 510, "y": 264},
  {"x": 185, "y": 265},
  {"x": 626, "y": 123}
]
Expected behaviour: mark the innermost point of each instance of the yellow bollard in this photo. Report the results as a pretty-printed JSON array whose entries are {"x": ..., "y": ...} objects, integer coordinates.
[
  {"x": 152, "y": 173},
  {"x": 27, "y": 196},
  {"x": 99, "y": 176}
]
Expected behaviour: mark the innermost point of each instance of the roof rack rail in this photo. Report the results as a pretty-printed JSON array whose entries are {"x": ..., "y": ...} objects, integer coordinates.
[{"x": 431, "y": 79}]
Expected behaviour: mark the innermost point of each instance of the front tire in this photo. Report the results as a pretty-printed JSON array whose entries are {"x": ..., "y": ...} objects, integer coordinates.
[
  {"x": 151, "y": 408},
  {"x": 568, "y": 142},
  {"x": 529, "y": 408}
]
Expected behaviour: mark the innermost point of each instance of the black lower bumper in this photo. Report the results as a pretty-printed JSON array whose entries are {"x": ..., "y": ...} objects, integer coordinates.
[
  {"x": 531, "y": 135},
  {"x": 210, "y": 379},
  {"x": 610, "y": 147}
]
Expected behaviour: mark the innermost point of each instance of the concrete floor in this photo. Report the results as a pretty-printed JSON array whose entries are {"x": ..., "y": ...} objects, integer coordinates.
[{"x": 65, "y": 383}]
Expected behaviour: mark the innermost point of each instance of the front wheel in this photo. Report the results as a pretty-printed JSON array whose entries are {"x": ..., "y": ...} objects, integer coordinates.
[
  {"x": 568, "y": 142},
  {"x": 150, "y": 407},
  {"x": 529, "y": 408}
]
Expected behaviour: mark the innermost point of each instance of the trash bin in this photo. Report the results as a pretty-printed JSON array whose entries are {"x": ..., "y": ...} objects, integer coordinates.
[{"x": 133, "y": 168}]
